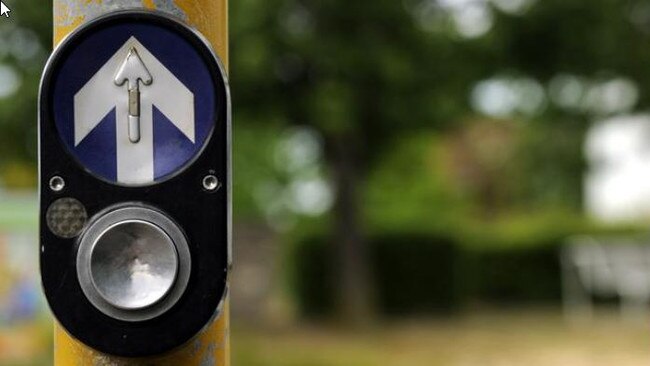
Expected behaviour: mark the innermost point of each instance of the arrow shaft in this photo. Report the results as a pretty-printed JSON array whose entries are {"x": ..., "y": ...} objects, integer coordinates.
[
  {"x": 134, "y": 114},
  {"x": 135, "y": 162}
]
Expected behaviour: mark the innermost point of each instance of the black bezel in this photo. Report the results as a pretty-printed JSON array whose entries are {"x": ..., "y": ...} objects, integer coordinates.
[{"x": 203, "y": 216}]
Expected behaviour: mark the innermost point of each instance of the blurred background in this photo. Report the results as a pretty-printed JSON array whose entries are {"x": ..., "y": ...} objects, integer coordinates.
[{"x": 417, "y": 182}]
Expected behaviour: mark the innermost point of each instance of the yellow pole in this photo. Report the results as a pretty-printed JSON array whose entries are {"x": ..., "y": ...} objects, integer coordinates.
[{"x": 212, "y": 346}]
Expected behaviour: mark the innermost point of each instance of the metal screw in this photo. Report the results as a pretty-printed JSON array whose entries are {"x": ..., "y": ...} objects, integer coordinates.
[
  {"x": 210, "y": 182},
  {"x": 57, "y": 184}
]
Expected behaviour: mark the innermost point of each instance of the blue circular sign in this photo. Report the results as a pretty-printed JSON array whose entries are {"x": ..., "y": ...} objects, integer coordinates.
[{"x": 134, "y": 102}]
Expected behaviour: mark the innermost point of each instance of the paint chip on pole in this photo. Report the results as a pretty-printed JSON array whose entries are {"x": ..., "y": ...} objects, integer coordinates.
[{"x": 4, "y": 10}]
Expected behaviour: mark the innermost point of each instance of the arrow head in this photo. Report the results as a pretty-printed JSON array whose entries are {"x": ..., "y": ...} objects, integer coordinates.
[
  {"x": 133, "y": 70},
  {"x": 4, "y": 9}
]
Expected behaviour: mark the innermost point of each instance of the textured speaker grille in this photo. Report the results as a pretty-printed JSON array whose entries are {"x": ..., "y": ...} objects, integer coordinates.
[{"x": 66, "y": 217}]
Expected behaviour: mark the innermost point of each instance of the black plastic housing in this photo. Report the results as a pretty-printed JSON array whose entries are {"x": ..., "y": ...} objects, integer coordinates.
[{"x": 204, "y": 217}]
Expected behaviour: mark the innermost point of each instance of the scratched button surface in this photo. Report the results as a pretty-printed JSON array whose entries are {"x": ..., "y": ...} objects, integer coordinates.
[{"x": 133, "y": 265}]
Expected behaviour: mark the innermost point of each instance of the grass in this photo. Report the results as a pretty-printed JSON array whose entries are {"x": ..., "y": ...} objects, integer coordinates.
[{"x": 530, "y": 339}]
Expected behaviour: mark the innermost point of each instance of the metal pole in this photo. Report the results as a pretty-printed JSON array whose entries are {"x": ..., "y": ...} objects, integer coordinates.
[{"x": 210, "y": 17}]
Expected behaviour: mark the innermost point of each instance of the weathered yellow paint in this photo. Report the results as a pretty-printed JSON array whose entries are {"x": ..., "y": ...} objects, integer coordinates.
[
  {"x": 211, "y": 347},
  {"x": 212, "y": 21},
  {"x": 210, "y": 17}
]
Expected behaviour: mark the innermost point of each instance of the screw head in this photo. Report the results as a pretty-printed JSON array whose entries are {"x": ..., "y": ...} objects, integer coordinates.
[
  {"x": 210, "y": 183},
  {"x": 57, "y": 184}
]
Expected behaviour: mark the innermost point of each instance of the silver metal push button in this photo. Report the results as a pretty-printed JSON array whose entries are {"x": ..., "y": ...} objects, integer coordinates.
[{"x": 133, "y": 263}]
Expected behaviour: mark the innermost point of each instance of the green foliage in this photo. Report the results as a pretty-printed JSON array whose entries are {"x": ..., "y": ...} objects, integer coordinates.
[
  {"x": 413, "y": 274},
  {"x": 253, "y": 154},
  {"x": 547, "y": 161},
  {"x": 412, "y": 187},
  {"x": 516, "y": 275},
  {"x": 312, "y": 277},
  {"x": 417, "y": 274},
  {"x": 24, "y": 40},
  {"x": 429, "y": 271},
  {"x": 390, "y": 70},
  {"x": 337, "y": 67}
]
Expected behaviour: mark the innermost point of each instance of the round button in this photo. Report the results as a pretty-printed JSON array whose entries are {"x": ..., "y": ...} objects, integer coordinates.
[
  {"x": 133, "y": 262},
  {"x": 133, "y": 265}
]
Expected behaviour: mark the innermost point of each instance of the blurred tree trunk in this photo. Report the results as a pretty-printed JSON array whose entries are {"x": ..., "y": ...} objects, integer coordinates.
[{"x": 350, "y": 250}]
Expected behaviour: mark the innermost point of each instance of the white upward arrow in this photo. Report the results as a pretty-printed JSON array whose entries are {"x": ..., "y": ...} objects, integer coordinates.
[{"x": 102, "y": 94}]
